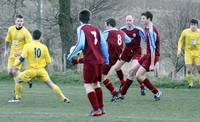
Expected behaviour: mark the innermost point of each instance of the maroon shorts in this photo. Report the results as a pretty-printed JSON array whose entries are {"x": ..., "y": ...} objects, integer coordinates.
[
  {"x": 106, "y": 67},
  {"x": 129, "y": 54},
  {"x": 145, "y": 61},
  {"x": 91, "y": 72}
]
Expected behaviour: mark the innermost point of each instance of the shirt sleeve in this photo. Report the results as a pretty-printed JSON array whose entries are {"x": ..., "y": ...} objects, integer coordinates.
[
  {"x": 152, "y": 39},
  {"x": 8, "y": 36},
  {"x": 142, "y": 34},
  {"x": 181, "y": 41},
  {"x": 127, "y": 39},
  {"x": 104, "y": 48},
  {"x": 47, "y": 56},
  {"x": 105, "y": 35},
  {"x": 79, "y": 45}
]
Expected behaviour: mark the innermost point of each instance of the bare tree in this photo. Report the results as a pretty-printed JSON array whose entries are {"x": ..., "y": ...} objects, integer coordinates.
[{"x": 66, "y": 28}]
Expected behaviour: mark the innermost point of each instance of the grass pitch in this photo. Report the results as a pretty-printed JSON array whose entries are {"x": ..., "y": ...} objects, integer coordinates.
[{"x": 41, "y": 105}]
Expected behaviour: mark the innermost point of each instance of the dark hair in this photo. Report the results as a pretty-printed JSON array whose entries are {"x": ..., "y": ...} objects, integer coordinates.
[
  {"x": 111, "y": 22},
  {"x": 19, "y": 16},
  {"x": 194, "y": 21},
  {"x": 148, "y": 15},
  {"x": 36, "y": 34},
  {"x": 84, "y": 16}
]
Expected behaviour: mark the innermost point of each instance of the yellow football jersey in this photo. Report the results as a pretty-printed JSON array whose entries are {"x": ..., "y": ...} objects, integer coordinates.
[
  {"x": 191, "y": 39},
  {"x": 17, "y": 38},
  {"x": 36, "y": 55}
]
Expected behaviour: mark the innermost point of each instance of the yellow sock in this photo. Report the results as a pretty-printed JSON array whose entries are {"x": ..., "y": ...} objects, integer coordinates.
[
  {"x": 189, "y": 78},
  {"x": 58, "y": 92},
  {"x": 18, "y": 90}
]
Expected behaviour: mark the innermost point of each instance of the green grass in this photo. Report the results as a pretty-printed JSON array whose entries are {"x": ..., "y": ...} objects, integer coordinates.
[{"x": 41, "y": 105}]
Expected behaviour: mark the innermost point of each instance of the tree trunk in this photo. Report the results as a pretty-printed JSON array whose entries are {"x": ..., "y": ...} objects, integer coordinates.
[{"x": 66, "y": 29}]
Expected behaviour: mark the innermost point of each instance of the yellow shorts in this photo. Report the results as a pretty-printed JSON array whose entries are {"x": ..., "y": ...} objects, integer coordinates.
[
  {"x": 192, "y": 59},
  {"x": 29, "y": 74},
  {"x": 11, "y": 62}
]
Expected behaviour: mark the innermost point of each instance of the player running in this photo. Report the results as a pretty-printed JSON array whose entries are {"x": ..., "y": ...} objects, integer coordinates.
[
  {"x": 148, "y": 61},
  {"x": 95, "y": 53},
  {"x": 191, "y": 38},
  {"x": 132, "y": 51},
  {"x": 115, "y": 40},
  {"x": 37, "y": 57}
]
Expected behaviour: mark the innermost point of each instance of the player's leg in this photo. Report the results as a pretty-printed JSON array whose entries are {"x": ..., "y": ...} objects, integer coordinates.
[
  {"x": 93, "y": 99},
  {"x": 43, "y": 75},
  {"x": 197, "y": 63},
  {"x": 20, "y": 78},
  {"x": 99, "y": 94},
  {"x": 107, "y": 82},
  {"x": 140, "y": 75},
  {"x": 57, "y": 91},
  {"x": 188, "y": 64},
  {"x": 141, "y": 85},
  {"x": 91, "y": 75},
  {"x": 129, "y": 80},
  {"x": 119, "y": 71}
]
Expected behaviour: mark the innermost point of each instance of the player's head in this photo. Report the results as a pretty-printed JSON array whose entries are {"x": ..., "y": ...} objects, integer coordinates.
[
  {"x": 129, "y": 20},
  {"x": 85, "y": 16},
  {"x": 146, "y": 17},
  {"x": 19, "y": 21},
  {"x": 193, "y": 24},
  {"x": 36, "y": 34},
  {"x": 110, "y": 23}
]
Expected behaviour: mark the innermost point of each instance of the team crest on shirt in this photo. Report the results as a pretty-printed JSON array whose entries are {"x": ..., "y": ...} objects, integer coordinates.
[{"x": 134, "y": 35}]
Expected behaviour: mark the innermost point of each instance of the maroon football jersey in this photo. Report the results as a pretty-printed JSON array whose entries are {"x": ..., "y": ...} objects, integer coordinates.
[
  {"x": 157, "y": 43},
  {"x": 92, "y": 51},
  {"x": 115, "y": 44},
  {"x": 134, "y": 35}
]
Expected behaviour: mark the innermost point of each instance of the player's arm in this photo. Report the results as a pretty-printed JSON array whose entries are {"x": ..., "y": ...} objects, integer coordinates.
[
  {"x": 127, "y": 39},
  {"x": 104, "y": 49},
  {"x": 47, "y": 56},
  {"x": 22, "y": 57},
  {"x": 105, "y": 35},
  {"x": 7, "y": 41},
  {"x": 180, "y": 43},
  {"x": 142, "y": 34},
  {"x": 79, "y": 45},
  {"x": 152, "y": 41}
]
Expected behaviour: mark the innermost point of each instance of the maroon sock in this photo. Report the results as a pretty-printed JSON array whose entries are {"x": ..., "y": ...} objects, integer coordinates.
[
  {"x": 126, "y": 86},
  {"x": 99, "y": 94},
  {"x": 141, "y": 85},
  {"x": 150, "y": 86},
  {"x": 93, "y": 100},
  {"x": 120, "y": 76},
  {"x": 110, "y": 86}
]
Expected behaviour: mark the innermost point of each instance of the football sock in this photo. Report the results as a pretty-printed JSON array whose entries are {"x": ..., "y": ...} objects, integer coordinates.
[
  {"x": 99, "y": 95},
  {"x": 150, "y": 86},
  {"x": 93, "y": 100},
  {"x": 18, "y": 90},
  {"x": 58, "y": 92},
  {"x": 126, "y": 86},
  {"x": 141, "y": 85},
  {"x": 108, "y": 84},
  {"x": 189, "y": 79},
  {"x": 120, "y": 76}
]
